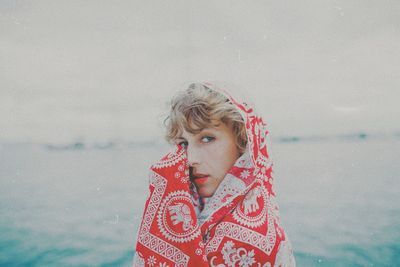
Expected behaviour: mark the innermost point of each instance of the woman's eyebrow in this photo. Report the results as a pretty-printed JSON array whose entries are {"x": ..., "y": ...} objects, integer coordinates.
[{"x": 207, "y": 130}]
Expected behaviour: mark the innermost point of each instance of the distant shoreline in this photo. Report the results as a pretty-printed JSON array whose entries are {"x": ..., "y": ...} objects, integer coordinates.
[{"x": 80, "y": 144}]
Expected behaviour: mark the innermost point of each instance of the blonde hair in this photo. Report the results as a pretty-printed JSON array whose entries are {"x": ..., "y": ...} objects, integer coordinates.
[{"x": 200, "y": 107}]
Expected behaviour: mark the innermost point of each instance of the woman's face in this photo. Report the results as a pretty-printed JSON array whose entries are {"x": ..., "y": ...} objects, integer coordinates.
[{"x": 211, "y": 154}]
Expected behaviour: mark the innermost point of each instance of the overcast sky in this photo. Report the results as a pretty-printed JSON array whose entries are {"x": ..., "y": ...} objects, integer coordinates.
[{"x": 106, "y": 69}]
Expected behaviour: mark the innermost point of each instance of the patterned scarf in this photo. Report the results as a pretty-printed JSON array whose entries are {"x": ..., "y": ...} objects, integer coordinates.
[{"x": 238, "y": 226}]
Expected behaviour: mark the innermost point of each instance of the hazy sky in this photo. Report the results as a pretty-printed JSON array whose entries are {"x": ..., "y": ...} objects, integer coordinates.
[{"x": 106, "y": 69}]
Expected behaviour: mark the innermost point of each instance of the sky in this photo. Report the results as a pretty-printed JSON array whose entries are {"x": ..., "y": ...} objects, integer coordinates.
[{"x": 102, "y": 70}]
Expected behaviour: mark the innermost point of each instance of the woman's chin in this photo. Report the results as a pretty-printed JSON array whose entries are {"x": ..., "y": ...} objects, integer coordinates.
[{"x": 205, "y": 192}]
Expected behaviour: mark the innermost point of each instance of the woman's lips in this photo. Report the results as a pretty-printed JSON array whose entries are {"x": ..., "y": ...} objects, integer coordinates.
[
  {"x": 201, "y": 180},
  {"x": 198, "y": 177}
]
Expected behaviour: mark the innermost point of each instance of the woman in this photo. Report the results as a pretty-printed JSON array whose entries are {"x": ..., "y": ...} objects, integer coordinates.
[{"x": 211, "y": 199}]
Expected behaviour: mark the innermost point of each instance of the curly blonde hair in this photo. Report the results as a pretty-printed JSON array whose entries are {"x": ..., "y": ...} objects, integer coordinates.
[{"x": 200, "y": 107}]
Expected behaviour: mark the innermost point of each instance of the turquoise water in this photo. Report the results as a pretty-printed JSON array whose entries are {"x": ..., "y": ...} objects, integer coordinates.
[{"x": 78, "y": 206}]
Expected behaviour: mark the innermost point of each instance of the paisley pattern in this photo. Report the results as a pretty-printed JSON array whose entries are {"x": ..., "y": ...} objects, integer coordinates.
[
  {"x": 252, "y": 212},
  {"x": 238, "y": 226},
  {"x": 176, "y": 218}
]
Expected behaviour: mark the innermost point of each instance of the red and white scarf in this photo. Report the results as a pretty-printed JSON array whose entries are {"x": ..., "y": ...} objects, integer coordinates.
[{"x": 238, "y": 226}]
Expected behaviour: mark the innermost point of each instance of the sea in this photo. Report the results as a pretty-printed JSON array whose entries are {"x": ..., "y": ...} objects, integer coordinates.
[{"x": 80, "y": 204}]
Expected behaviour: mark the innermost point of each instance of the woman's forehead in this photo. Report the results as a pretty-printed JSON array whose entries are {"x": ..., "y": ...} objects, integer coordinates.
[
  {"x": 218, "y": 129},
  {"x": 183, "y": 133},
  {"x": 194, "y": 127}
]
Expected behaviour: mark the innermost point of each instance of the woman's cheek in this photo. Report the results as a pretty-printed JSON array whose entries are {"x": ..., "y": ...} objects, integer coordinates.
[{"x": 212, "y": 149}]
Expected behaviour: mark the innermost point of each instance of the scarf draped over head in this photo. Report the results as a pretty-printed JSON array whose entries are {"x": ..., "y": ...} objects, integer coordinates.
[{"x": 238, "y": 226}]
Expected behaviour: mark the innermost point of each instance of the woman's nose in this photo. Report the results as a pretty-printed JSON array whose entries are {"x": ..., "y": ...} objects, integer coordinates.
[{"x": 193, "y": 156}]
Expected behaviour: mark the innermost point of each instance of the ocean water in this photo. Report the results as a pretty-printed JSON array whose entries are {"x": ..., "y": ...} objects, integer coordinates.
[{"x": 81, "y": 206}]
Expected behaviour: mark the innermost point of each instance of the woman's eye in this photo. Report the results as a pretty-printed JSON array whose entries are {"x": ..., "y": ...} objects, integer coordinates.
[
  {"x": 183, "y": 144},
  {"x": 207, "y": 139}
]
